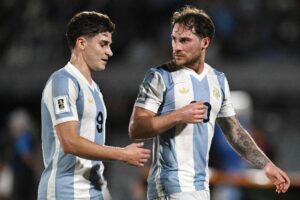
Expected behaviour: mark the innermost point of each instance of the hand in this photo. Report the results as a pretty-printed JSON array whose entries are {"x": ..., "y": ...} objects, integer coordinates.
[
  {"x": 136, "y": 155},
  {"x": 277, "y": 177},
  {"x": 192, "y": 113}
]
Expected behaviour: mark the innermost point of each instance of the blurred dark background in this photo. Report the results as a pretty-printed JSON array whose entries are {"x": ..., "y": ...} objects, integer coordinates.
[{"x": 257, "y": 45}]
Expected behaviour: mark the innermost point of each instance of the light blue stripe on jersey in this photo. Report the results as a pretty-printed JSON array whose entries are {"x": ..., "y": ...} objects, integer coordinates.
[
  {"x": 95, "y": 175},
  {"x": 169, "y": 173},
  {"x": 200, "y": 134},
  {"x": 221, "y": 80},
  {"x": 164, "y": 152},
  {"x": 46, "y": 134},
  {"x": 66, "y": 162},
  {"x": 154, "y": 169},
  {"x": 60, "y": 86},
  {"x": 47, "y": 129}
]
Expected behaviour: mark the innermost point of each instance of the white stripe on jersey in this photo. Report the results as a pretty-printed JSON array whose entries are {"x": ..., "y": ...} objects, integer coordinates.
[
  {"x": 87, "y": 130},
  {"x": 157, "y": 176},
  {"x": 184, "y": 133},
  {"x": 52, "y": 180},
  {"x": 214, "y": 85}
]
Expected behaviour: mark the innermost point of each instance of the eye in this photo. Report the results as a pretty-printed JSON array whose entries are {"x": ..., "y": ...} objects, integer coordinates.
[
  {"x": 103, "y": 43},
  {"x": 184, "y": 40}
]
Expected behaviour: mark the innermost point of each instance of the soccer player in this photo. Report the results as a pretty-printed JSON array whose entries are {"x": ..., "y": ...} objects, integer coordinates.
[
  {"x": 178, "y": 105},
  {"x": 74, "y": 116}
]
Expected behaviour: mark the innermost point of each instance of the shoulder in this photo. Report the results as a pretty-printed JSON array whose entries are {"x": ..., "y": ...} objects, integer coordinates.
[
  {"x": 62, "y": 77},
  {"x": 60, "y": 74},
  {"x": 211, "y": 70},
  {"x": 61, "y": 81},
  {"x": 165, "y": 69},
  {"x": 162, "y": 72}
]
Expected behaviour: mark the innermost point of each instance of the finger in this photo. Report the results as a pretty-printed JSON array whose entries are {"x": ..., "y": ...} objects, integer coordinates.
[
  {"x": 280, "y": 187},
  {"x": 286, "y": 178},
  {"x": 200, "y": 111},
  {"x": 146, "y": 151},
  {"x": 286, "y": 187},
  {"x": 199, "y": 116},
  {"x": 143, "y": 160},
  {"x": 140, "y": 144},
  {"x": 140, "y": 164},
  {"x": 200, "y": 102},
  {"x": 146, "y": 156},
  {"x": 197, "y": 121}
]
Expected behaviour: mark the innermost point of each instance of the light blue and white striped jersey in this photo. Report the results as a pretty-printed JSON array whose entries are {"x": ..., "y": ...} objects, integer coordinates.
[
  {"x": 180, "y": 155},
  {"x": 68, "y": 96}
]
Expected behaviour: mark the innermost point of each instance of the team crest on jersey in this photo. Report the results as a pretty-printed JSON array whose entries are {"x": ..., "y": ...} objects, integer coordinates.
[
  {"x": 184, "y": 90},
  {"x": 90, "y": 99},
  {"x": 61, "y": 104},
  {"x": 216, "y": 93}
]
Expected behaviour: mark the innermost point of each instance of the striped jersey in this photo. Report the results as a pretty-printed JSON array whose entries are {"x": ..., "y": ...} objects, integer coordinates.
[
  {"x": 68, "y": 96},
  {"x": 180, "y": 155}
]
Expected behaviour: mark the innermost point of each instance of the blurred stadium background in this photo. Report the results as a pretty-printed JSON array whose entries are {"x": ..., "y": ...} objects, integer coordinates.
[{"x": 257, "y": 45}]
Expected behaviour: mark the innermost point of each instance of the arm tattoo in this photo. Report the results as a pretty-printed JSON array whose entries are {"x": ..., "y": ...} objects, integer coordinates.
[{"x": 242, "y": 142}]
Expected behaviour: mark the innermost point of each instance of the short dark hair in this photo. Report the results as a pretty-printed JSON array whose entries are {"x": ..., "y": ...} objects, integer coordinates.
[
  {"x": 195, "y": 19},
  {"x": 89, "y": 24}
]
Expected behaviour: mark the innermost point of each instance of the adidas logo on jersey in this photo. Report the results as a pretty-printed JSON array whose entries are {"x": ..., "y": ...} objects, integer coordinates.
[{"x": 184, "y": 90}]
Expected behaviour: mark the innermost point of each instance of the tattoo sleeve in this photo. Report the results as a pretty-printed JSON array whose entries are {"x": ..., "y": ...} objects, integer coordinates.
[{"x": 242, "y": 142}]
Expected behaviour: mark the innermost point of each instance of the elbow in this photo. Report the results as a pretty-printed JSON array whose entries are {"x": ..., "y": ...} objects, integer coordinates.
[
  {"x": 135, "y": 131},
  {"x": 66, "y": 149},
  {"x": 132, "y": 132},
  {"x": 68, "y": 146}
]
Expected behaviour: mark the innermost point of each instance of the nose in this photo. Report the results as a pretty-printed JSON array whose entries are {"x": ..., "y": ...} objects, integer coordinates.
[
  {"x": 176, "y": 46},
  {"x": 109, "y": 52}
]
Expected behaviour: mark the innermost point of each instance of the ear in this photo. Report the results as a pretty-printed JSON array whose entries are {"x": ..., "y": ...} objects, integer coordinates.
[
  {"x": 205, "y": 42},
  {"x": 80, "y": 43}
]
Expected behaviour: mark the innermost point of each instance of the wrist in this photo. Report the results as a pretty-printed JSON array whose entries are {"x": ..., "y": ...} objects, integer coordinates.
[
  {"x": 122, "y": 156},
  {"x": 176, "y": 117},
  {"x": 267, "y": 166}
]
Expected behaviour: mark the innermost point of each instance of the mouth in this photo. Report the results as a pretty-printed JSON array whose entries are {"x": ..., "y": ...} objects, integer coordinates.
[
  {"x": 178, "y": 56},
  {"x": 104, "y": 60}
]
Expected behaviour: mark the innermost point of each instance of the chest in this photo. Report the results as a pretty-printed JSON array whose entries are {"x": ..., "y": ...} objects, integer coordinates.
[
  {"x": 90, "y": 103},
  {"x": 186, "y": 88}
]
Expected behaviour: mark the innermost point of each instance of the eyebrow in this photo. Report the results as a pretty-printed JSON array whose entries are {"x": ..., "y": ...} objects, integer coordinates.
[
  {"x": 180, "y": 38},
  {"x": 104, "y": 41}
]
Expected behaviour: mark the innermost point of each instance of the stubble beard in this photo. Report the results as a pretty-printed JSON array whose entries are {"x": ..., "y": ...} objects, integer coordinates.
[{"x": 185, "y": 61}]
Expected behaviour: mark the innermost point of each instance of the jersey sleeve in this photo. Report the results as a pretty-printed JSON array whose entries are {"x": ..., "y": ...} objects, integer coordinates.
[
  {"x": 60, "y": 98},
  {"x": 227, "y": 108},
  {"x": 151, "y": 91}
]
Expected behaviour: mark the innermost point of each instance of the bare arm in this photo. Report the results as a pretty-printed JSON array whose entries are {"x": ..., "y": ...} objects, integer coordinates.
[
  {"x": 145, "y": 124},
  {"x": 243, "y": 143},
  {"x": 73, "y": 143}
]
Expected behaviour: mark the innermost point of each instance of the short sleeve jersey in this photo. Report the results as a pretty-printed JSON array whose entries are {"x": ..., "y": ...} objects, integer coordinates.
[
  {"x": 68, "y": 96},
  {"x": 180, "y": 155}
]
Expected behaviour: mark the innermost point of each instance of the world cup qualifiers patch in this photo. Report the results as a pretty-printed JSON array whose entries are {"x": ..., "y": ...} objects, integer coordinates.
[{"x": 61, "y": 104}]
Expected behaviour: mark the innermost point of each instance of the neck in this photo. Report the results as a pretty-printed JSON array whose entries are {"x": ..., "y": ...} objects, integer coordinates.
[
  {"x": 198, "y": 65},
  {"x": 78, "y": 61}
]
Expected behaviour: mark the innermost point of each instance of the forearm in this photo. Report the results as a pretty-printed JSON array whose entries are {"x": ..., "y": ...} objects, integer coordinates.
[
  {"x": 144, "y": 127},
  {"x": 84, "y": 148},
  {"x": 242, "y": 142}
]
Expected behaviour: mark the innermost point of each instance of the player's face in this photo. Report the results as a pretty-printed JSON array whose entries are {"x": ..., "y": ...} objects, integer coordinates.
[
  {"x": 187, "y": 47},
  {"x": 97, "y": 51}
]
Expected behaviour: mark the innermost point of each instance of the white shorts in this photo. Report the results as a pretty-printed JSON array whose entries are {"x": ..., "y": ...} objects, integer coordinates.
[{"x": 196, "y": 195}]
